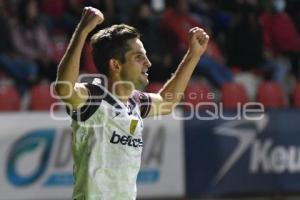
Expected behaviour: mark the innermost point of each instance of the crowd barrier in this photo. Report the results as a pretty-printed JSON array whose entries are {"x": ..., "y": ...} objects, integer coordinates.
[{"x": 181, "y": 158}]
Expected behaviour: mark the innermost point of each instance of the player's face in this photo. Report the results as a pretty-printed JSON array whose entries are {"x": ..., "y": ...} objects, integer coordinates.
[{"x": 135, "y": 68}]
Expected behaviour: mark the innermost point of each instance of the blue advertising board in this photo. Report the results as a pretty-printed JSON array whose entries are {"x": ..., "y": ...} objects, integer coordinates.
[{"x": 243, "y": 156}]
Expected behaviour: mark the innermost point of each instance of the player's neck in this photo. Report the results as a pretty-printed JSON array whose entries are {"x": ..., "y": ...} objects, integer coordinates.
[{"x": 121, "y": 90}]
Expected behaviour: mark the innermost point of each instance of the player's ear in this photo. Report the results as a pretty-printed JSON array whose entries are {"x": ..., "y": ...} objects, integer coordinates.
[{"x": 114, "y": 65}]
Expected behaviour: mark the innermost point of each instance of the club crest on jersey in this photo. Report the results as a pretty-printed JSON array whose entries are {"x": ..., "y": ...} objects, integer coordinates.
[{"x": 133, "y": 125}]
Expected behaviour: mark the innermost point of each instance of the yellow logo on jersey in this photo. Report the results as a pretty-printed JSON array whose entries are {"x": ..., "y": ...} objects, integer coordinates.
[{"x": 133, "y": 125}]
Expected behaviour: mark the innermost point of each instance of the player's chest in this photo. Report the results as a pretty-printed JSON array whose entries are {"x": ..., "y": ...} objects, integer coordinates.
[{"x": 126, "y": 119}]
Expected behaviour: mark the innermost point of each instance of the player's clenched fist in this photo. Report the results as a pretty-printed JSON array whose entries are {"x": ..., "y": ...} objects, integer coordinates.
[
  {"x": 91, "y": 17},
  {"x": 198, "y": 41}
]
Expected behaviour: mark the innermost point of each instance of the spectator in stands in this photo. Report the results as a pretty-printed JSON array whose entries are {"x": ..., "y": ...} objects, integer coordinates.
[
  {"x": 210, "y": 12},
  {"x": 31, "y": 39},
  {"x": 144, "y": 20},
  {"x": 64, "y": 15},
  {"x": 52, "y": 14},
  {"x": 110, "y": 9},
  {"x": 22, "y": 70},
  {"x": 280, "y": 34},
  {"x": 73, "y": 14},
  {"x": 245, "y": 47},
  {"x": 176, "y": 20},
  {"x": 124, "y": 9}
]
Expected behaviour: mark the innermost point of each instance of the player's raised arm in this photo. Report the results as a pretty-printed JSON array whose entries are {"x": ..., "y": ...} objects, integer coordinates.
[
  {"x": 68, "y": 70},
  {"x": 172, "y": 92}
]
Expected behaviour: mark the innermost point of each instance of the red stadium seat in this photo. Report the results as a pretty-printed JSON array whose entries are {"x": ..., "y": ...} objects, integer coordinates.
[
  {"x": 154, "y": 87},
  {"x": 271, "y": 95},
  {"x": 9, "y": 99},
  {"x": 41, "y": 98},
  {"x": 198, "y": 92},
  {"x": 232, "y": 94},
  {"x": 296, "y": 96}
]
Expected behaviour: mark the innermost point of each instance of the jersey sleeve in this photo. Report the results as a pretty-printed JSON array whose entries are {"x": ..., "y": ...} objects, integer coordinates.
[
  {"x": 143, "y": 100},
  {"x": 92, "y": 104}
]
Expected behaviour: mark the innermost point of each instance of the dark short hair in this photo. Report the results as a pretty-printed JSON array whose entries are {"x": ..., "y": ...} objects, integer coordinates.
[{"x": 111, "y": 42}]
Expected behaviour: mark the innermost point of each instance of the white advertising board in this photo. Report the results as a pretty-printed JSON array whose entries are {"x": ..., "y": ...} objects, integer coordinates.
[{"x": 36, "y": 159}]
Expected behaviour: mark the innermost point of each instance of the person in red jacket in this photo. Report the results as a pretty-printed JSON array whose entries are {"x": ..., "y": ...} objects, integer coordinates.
[
  {"x": 281, "y": 37},
  {"x": 176, "y": 21}
]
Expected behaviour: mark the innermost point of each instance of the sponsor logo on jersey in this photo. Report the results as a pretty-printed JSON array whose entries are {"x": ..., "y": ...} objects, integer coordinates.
[{"x": 126, "y": 140}]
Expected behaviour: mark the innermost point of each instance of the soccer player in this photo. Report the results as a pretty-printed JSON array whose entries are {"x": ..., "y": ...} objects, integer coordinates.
[{"x": 107, "y": 126}]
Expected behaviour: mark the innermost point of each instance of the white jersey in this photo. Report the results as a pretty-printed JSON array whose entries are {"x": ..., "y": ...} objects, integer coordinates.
[{"x": 107, "y": 145}]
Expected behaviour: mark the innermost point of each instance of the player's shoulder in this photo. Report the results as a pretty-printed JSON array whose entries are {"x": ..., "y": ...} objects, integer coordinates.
[
  {"x": 143, "y": 100},
  {"x": 95, "y": 89},
  {"x": 140, "y": 97},
  {"x": 93, "y": 102}
]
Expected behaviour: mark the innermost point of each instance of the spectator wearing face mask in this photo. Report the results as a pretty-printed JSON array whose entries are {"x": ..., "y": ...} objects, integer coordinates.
[{"x": 281, "y": 37}]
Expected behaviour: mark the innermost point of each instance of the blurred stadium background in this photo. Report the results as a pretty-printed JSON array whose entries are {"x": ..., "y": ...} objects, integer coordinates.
[{"x": 253, "y": 56}]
